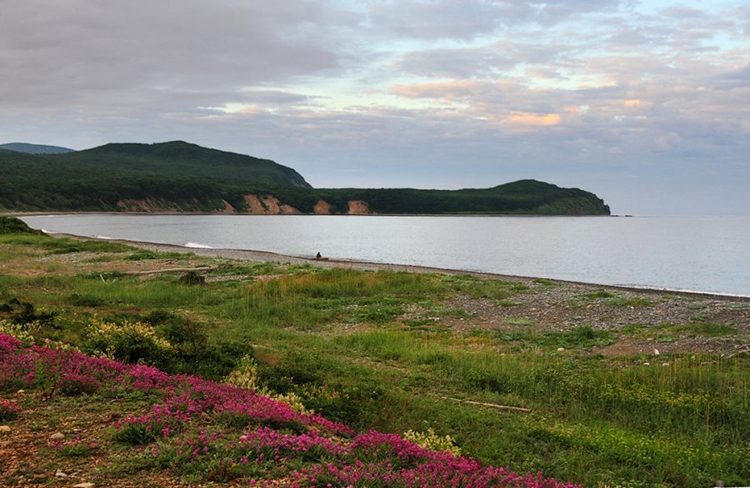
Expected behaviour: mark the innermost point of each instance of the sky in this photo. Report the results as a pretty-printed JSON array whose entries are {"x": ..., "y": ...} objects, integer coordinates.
[{"x": 645, "y": 103}]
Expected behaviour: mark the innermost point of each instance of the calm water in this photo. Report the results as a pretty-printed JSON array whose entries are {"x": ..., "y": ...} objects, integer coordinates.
[{"x": 696, "y": 253}]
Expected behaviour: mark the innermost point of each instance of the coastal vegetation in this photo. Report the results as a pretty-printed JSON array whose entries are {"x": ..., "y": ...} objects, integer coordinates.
[
  {"x": 182, "y": 177},
  {"x": 363, "y": 378}
]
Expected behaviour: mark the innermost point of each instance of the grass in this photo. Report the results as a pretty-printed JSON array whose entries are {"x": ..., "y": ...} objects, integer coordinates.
[
  {"x": 692, "y": 329},
  {"x": 370, "y": 349},
  {"x": 611, "y": 299}
]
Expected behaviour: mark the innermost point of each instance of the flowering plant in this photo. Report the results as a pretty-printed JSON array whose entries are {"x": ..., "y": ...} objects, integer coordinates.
[
  {"x": 9, "y": 410},
  {"x": 262, "y": 441}
]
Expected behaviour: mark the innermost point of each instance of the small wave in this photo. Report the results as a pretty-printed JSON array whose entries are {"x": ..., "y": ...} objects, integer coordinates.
[
  {"x": 105, "y": 238},
  {"x": 195, "y": 245}
]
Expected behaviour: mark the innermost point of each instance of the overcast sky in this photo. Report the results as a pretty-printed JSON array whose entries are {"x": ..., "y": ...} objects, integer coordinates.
[{"x": 645, "y": 103}]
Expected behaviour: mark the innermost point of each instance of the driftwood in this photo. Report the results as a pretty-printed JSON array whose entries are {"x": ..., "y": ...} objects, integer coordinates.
[
  {"x": 490, "y": 405},
  {"x": 741, "y": 352}
]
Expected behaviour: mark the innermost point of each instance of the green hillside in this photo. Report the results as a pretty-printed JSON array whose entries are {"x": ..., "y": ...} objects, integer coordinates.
[
  {"x": 182, "y": 177},
  {"x": 520, "y": 197},
  {"x": 524, "y": 197}
]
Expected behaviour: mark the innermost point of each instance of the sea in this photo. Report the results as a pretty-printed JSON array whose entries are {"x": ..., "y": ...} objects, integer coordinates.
[{"x": 707, "y": 254}]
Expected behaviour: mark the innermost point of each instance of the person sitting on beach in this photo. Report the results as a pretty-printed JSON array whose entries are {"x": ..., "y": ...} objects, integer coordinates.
[{"x": 318, "y": 256}]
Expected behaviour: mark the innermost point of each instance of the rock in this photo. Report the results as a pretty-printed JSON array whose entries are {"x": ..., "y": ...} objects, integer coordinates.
[
  {"x": 57, "y": 436},
  {"x": 60, "y": 474},
  {"x": 4, "y": 429},
  {"x": 84, "y": 485}
]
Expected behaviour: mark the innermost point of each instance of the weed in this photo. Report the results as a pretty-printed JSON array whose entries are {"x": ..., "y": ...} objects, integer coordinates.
[
  {"x": 582, "y": 337},
  {"x": 143, "y": 255},
  {"x": 192, "y": 278},
  {"x": 85, "y": 301},
  {"x": 519, "y": 321},
  {"x": 597, "y": 295},
  {"x": 76, "y": 450},
  {"x": 705, "y": 329},
  {"x": 545, "y": 282},
  {"x": 666, "y": 332}
]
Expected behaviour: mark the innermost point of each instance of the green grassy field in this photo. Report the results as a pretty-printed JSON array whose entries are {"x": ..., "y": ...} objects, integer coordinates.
[{"x": 375, "y": 350}]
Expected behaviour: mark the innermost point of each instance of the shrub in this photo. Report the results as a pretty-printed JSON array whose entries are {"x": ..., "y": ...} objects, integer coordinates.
[
  {"x": 13, "y": 225},
  {"x": 73, "y": 384},
  {"x": 139, "y": 434},
  {"x": 190, "y": 335},
  {"x": 430, "y": 440},
  {"x": 158, "y": 317},
  {"x": 23, "y": 313},
  {"x": 130, "y": 342},
  {"x": 85, "y": 301},
  {"x": 246, "y": 376},
  {"x": 214, "y": 361},
  {"x": 8, "y": 344}
]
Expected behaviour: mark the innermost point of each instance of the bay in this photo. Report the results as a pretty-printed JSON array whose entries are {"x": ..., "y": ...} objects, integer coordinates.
[{"x": 708, "y": 254}]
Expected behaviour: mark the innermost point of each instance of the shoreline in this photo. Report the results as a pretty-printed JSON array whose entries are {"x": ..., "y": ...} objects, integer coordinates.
[
  {"x": 268, "y": 256},
  {"x": 250, "y": 214}
]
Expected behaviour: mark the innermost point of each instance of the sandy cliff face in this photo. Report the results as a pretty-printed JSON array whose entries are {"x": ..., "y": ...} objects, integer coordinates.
[
  {"x": 322, "y": 208},
  {"x": 268, "y": 205},
  {"x": 256, "y": 205},
  {"x": 354, "y": 207},
  {"x": 149, "y": 205},
  {"x": 358, "y": 207},
  {"x": 228, "y": 208}
]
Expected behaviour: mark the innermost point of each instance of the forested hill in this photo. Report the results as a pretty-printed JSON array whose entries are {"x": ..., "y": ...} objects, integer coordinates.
[
  {"x": 179, "y": 160},
  {"x": 176, "y": 175},
  {"x": 182, "y": 177},
  {"x": 528, "y": 197}
]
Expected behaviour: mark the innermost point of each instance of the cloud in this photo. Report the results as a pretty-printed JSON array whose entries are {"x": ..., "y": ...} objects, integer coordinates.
[
  {"x": 449, "y": 91},
  {"x": 424, "y": 93},
  {"x": 77, "y": 52},
  {"x": 531, "y": 120},
  {"x": 436, "y": 19}
]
